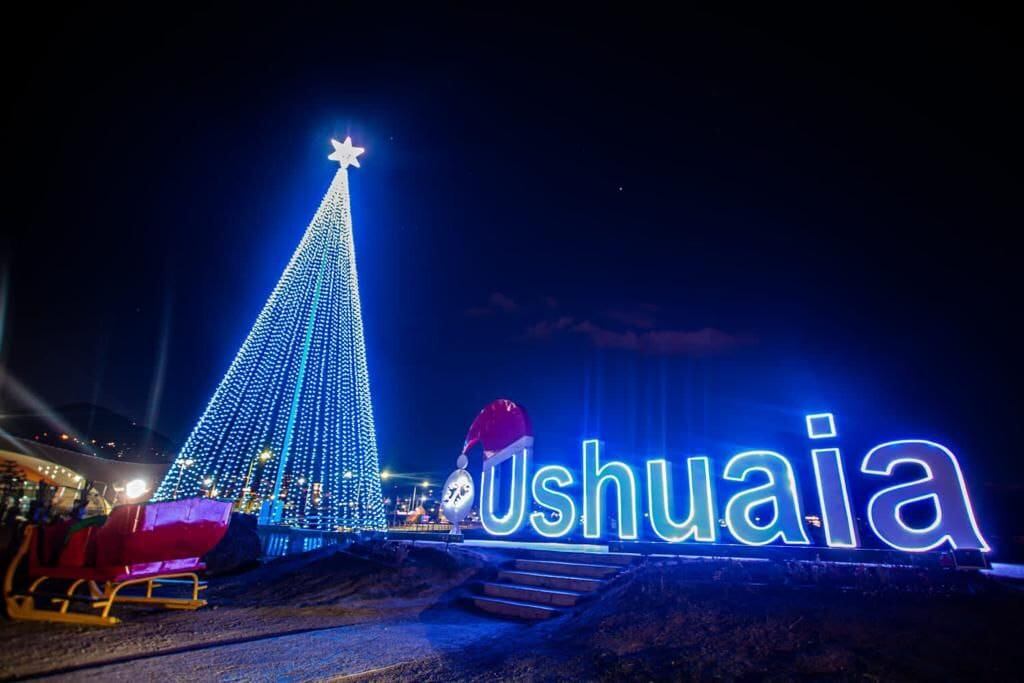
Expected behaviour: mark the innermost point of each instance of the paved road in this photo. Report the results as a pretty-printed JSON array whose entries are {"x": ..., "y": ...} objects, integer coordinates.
[{"x": 315, "y": 655}]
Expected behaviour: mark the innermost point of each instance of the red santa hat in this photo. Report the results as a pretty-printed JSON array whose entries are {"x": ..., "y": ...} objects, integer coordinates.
[{"x": 502, "y": 429}]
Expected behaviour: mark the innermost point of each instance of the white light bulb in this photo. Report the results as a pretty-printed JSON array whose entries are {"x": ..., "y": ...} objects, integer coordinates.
[{"x": 135, "y": 488}]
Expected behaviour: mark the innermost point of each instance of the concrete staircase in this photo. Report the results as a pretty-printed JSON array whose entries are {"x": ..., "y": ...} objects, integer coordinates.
[{"x": 544, "y": 583}]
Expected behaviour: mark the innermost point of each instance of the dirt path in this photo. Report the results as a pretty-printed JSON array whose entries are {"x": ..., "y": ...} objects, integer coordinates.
[
  {"x": 333, "y": 652},
  {"x": 329, "y": 653},
  {"x": 287, "y": 620}
]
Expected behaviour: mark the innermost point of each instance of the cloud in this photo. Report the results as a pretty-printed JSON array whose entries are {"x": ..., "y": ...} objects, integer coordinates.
[
  {"x": 642, "y": 316},
  {"x": 496, "y": 303},
  {"x": 503, "y": 303},
  {"x": 546, "y": 328},
  {"x": 704, "y": 342},
  {"x": 660, "y": 342},
  {"x": 633, "y": 328}
]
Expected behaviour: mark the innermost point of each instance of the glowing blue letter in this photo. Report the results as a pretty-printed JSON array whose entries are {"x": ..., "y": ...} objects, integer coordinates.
[
  {"x": 836, "y": 517},
  {"x": 780, "y": 491},
  {"x": 943, "y": 484},
  {"x": 512, "y": 521},
  {"x": 700, "y": 523},
  {"x": 595, "y": 477},
  {"x": 562, "y": 505}
]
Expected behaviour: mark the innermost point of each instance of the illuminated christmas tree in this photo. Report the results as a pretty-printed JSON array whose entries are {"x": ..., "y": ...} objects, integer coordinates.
[{"x": 290, "y": 427}]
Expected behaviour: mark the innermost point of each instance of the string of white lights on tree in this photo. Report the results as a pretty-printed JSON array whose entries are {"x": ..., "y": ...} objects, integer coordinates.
[{"x": 292, "y": 420}]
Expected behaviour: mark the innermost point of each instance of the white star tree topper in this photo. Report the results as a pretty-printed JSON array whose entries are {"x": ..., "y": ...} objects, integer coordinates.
[{"x": 345, "y": 154}]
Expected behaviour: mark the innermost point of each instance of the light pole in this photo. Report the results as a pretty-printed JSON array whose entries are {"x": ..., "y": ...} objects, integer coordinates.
[
  {"x": 187, "y": 462},
  {"x": 394, "y": 508},
  {"x": 413, "y": 502},
  {"x": 264, "y": 456},
  {"x": 385, "y": 475},
  {"x": 420, "y": 485}
]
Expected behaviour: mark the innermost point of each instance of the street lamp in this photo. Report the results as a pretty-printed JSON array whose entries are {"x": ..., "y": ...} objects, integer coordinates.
[
  {"x": 264, "y": 456},
  {"x": 135, "y": 488},
  {"x": 415, "y": 490},
  {"x": 394, "y": 512},
  {"x": 187, "y": 462}
]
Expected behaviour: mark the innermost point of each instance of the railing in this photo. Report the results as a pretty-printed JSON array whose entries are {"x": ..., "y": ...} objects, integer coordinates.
[
  {"x": 430, "y": 528},
  {"x": 282, "y": 540}
]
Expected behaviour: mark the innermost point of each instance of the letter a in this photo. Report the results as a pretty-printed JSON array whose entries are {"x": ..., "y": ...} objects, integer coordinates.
[
  {"x": 780, "y": 491},
  {"x": 942, "y": 484}
]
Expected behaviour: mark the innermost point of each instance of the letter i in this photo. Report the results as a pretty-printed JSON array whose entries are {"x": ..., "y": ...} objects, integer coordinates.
[{"x": 833, "y": 495}]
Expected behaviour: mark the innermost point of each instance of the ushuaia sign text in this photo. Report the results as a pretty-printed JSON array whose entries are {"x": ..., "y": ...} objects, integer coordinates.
[{"x": 554, "y": 500}]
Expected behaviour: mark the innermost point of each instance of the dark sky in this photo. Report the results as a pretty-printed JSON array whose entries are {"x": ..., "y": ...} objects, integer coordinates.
[{"x": 676, "y": 233}]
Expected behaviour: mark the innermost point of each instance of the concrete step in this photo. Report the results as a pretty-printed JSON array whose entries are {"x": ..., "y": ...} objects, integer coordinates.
[
  {"x": 578, "y": 584},
  {"x": 533, "y": 594},
  {"x": 593, "y": 571},
  {"x": 621, "y": 559},
  {"x": 514, "y": 608}
]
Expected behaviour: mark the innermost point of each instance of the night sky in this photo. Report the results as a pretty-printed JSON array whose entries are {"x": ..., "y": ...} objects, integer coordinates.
[{"x": 677, "y": 234}]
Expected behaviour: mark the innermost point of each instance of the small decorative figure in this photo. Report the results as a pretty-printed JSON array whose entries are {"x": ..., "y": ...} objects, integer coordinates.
[{"x": 457, "y": 499}]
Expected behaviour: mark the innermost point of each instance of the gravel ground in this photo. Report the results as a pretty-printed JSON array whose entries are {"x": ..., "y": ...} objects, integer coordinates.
[
  {"x": 315, "y": 597},
  {"x": 668, "y": 622},
  {"x": 322, "y": 654},
  {"x": 391, "y": 613}
]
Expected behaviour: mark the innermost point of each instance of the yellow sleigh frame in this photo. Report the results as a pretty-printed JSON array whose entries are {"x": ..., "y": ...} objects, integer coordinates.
[{"x": 23, "y": 605}]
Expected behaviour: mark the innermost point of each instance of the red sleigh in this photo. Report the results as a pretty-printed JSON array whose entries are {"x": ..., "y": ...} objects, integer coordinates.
[{"x": 151, "y": 545}]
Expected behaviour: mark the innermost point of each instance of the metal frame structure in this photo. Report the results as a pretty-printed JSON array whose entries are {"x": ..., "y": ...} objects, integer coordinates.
[{"x": 23, "y": 605}]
